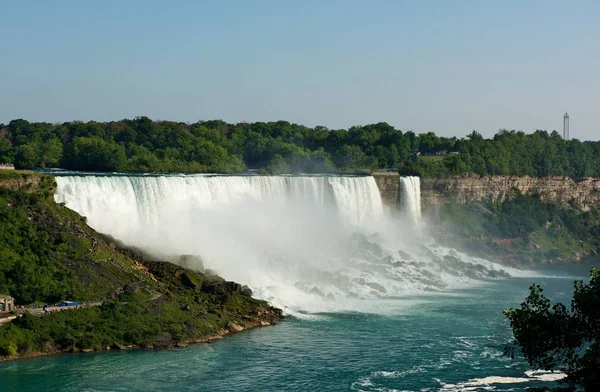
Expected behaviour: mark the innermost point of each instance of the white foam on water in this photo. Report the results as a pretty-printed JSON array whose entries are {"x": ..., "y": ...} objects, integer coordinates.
[
  {"x": 488, "y": 383},
  {"x": 545, "y": 375},
  {"x": 369, "y": 381},
  {"x": 304, "y": 243}
]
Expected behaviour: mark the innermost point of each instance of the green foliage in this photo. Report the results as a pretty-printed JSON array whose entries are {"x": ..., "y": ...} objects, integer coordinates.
[
  {"x": 181, "y": 314},
  {"x": 94, "y": 154},
  {"x": 47, "y": 253},
  {"x": 553, "y": 338},
  {"x": 534, "y": 229},
  {"x": 143, "y": 145}
]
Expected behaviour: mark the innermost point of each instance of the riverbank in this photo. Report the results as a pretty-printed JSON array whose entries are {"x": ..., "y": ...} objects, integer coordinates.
[
  {"x": 427, "y": 342},
  {"x": 270, "y": 316},
  {"x": 50, "y": 254}
]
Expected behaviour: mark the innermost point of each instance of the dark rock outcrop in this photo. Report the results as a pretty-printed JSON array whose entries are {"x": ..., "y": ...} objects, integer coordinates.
[{"x": 224, "y": 288}]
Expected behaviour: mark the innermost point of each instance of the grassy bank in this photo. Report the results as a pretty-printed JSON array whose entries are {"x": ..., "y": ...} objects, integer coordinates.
[{"x": 48, "y": 253}]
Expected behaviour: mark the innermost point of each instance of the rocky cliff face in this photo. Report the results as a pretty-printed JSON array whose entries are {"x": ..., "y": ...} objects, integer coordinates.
[
  {"x": 387, "y": 182},
  {"x": 20, "y": 181},
  {"x": 581, "y": 193}
]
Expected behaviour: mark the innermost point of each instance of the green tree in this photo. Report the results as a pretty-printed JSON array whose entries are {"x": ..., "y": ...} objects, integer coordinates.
[
  {"x": 551, "y": 337},
  {"x": 94, "y": 154},
  {"x": 352, "y": 158},
  {"x": 51, "y": 153},
  {"x": 28, "y": 156}
]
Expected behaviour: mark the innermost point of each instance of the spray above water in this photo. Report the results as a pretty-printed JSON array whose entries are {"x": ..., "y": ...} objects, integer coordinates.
[{"x": 314, "y": 243}]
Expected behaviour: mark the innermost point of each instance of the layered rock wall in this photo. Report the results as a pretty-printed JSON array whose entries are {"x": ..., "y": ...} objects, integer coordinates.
[
  {"x": 581, "y": 193},
  {"x": 388, "y": 183}
]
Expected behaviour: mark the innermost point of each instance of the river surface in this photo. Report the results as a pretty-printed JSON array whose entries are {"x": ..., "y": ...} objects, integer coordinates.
[{"x": 449, "y": 342}]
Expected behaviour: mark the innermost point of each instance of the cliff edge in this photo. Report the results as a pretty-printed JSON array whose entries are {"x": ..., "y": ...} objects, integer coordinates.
[{"x": 577, "y": 193}]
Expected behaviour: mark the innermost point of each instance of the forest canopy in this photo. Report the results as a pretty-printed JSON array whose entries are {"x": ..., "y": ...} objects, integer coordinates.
[{"x": 143, "y": 145}]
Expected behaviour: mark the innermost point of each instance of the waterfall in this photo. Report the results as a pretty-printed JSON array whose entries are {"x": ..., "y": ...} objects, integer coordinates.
[
  {"x": 141, "y": 200},
  {"x": 316, "y": 243},
  {"x": 410, "y": 197}
]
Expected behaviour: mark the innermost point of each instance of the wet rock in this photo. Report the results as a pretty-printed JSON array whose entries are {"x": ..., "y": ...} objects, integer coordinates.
[
  {"x": 222, "y": 289},
  {"x": 377, "y": 286},
  {"x": 163, "y": 340},
  {"x": 404, "y": 255},
  {"x": 246, "y": 291},
  {"x": 316, "y": 291},
  {"x": 234, "y": 327},
  {"x": 498, "y": 274},
  {"x": 117, "y": 346},
  {"x": 362, "y": 243},
  {"x": 48, "y": 347},
  {"x": 342, "y": 282},
  {"x": 68, "y": 349},
  {"x": 388, "y": 260}
]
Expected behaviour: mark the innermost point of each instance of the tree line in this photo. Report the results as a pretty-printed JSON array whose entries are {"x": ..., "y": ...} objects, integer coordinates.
[{"x": 144, "y": 145}]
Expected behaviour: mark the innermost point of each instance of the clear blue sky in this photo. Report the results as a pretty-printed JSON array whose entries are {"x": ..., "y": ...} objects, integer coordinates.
[{"x": 445, "y": 66}]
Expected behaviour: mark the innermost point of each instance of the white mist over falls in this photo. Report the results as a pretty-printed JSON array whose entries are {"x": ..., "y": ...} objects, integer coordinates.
[{"x": 304, "y": 243}]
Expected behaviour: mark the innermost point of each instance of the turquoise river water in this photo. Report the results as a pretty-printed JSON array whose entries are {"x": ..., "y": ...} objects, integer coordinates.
[{"x": 441, "y": 342}]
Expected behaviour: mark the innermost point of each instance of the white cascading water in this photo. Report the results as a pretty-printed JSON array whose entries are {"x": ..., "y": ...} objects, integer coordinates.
[
  {"x": 319, "y": 243},
  {"x": 410, "y": 197}
]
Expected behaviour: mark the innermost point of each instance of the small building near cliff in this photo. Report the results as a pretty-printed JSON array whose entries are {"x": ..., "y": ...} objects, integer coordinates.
[
  {"x": 7, "y": 303},
  {"x": 7, "y": 166}
]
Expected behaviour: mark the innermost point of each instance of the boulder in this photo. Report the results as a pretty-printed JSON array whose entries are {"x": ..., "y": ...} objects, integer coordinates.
[
  {"x": 246, "y": 291},
  {"x": 223, "y": 289},
  {"x": 316, "y": 291},
  {"x": 163, "y": 340},
  {"x": 234, "y": 327},
  {"x": 117, "y": 346},
  {"x": 404, "y": 255}
]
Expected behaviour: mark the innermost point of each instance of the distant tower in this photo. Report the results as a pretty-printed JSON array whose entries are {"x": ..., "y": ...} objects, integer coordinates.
[{"x": 566, "y": 135}]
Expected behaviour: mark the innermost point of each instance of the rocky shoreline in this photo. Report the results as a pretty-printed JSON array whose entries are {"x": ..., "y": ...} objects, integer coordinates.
[{"x": 265, "y": 317}]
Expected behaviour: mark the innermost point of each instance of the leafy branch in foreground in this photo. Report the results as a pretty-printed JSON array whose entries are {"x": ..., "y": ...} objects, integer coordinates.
[{"x": 551, "y": 337}]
